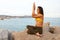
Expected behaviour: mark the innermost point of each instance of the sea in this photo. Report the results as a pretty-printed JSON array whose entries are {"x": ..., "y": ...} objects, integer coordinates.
[{"x": 19, "y": 24}]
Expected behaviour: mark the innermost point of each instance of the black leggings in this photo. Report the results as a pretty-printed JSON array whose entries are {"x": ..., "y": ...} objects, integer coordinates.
[{"x": 34, "y": 29}]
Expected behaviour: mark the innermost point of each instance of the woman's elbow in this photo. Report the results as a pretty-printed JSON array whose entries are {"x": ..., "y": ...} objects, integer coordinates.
[{"x": 33, "y": 16}]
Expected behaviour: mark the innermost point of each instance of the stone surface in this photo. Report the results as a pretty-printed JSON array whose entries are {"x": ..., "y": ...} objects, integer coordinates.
[
  {"x": 5, "y": 35},
  {"x": 46, "y": 34}
]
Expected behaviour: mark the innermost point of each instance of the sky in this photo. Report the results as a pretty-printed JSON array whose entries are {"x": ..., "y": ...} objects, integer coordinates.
[{"x": 24, "y": 7}]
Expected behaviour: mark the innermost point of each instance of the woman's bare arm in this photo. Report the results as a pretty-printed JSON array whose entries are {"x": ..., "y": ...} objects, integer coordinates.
[{"x": 33, "y": 10}]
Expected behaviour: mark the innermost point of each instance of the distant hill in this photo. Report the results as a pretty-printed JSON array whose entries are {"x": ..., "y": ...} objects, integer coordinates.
[{"x": 7, "y": 16}]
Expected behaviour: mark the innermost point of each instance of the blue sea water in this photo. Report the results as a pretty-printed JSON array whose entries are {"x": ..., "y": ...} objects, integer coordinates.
[{"x": 19, "y": 24}]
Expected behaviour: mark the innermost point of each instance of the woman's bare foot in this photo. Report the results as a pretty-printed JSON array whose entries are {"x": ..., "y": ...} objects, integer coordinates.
[{"x": 39, "y": 35}]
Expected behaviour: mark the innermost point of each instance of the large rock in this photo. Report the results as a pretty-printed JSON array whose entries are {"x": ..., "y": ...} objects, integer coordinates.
[
  {"x": 5, "y": 35},
  {"x": 57, "y": 30},
  {"x": 46, "y": 34},
  {"x": 24, "y": 36}
]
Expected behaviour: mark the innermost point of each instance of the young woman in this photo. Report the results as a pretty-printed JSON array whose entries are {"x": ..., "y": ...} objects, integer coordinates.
[{"x": 38, "y": 29}]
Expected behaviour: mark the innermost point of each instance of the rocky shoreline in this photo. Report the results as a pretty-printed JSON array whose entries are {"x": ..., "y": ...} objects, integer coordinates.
[{"x": 24, "y": 36}]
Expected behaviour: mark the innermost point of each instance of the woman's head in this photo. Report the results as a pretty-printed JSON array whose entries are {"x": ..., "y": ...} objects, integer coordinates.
[{"x": 40, "y": 10}]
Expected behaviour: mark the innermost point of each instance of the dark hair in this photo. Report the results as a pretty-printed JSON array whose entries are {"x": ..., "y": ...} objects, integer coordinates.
[{"x": 41, "y": 9}]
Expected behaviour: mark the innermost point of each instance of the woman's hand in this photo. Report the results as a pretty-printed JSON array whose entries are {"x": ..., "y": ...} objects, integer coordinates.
[{"x": 33, "y": 10}]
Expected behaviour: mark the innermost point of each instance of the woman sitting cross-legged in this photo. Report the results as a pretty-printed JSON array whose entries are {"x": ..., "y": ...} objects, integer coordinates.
[{"x": 38, "y": 28}]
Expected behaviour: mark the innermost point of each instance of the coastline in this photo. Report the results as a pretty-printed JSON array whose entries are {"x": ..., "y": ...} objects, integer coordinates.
[{"x": 24, "y": 36}]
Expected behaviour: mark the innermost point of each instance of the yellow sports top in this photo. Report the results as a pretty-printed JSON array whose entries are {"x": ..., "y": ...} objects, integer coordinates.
[{"x": 39, "y": 19}]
